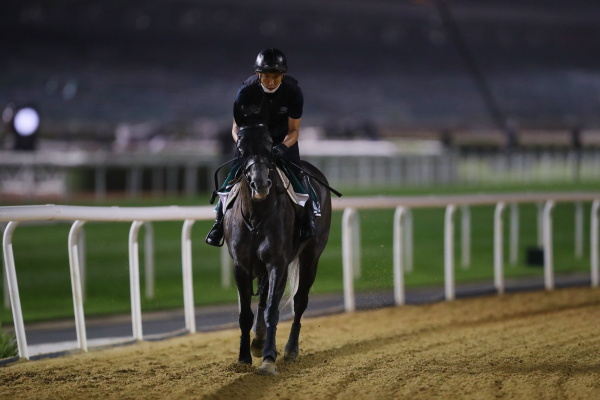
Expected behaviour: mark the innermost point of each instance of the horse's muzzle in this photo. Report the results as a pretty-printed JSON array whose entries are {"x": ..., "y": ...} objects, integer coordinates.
[{"x": 260, "y": 192}]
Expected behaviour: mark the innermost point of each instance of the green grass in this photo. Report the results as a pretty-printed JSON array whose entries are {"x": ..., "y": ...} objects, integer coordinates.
[
  {"x": 8, "y": 344},
  {"x": 42, "y": 265}
]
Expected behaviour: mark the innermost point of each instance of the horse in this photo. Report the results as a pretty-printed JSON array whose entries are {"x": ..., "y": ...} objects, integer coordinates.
[{"x": 262, "y": 235}]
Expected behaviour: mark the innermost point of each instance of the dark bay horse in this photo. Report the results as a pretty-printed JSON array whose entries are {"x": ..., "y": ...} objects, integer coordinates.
[{"x": 262, "y": 234}]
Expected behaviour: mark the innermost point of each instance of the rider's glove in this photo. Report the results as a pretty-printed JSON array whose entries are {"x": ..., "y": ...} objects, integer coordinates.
[{"x": 279, "y": 150}]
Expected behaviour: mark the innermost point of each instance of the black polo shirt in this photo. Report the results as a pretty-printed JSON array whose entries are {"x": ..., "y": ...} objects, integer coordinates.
[{"x": 252, "y": 105}]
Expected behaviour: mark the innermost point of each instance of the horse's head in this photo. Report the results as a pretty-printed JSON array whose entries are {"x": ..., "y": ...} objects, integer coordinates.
[{"x": 254, "y": 145}]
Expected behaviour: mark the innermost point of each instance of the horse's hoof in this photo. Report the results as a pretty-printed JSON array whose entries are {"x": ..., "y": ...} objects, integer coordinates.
[
  {"x": 267, "y": 368},
  {"x": 290, "y": 353},
  {"x": 290, "y": 356},
  {"x": 245, "y": 360},
  {"x": 256, "y": 348}
]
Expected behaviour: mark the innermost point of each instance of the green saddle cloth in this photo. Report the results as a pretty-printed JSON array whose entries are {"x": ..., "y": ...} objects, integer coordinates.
[{"x": 234, "y": 175}]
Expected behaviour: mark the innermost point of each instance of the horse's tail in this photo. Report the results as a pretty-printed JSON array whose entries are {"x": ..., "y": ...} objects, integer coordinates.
[{"x": 292, "y": 286}]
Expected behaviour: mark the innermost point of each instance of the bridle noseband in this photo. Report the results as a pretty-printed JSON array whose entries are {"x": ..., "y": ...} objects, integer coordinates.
[{"x": 248, "y": 162}]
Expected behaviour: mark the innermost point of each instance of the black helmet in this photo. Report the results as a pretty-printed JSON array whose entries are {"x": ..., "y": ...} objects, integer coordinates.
[{"x": 270, "y": 60}]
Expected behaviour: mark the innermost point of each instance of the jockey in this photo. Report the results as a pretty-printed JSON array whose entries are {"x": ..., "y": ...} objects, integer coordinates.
[{"x": 273, "y": 98}]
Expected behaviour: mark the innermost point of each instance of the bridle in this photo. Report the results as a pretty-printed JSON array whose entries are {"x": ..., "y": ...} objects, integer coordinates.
[
  {"x": 245, "y": 164},
  {"x": 249, "y": 162}
]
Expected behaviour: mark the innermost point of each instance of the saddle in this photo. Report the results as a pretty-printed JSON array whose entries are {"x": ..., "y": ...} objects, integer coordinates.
[{"x": 229, "y": 193}]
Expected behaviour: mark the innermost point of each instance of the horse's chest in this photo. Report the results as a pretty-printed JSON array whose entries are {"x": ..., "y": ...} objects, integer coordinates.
[{"x": 257, "y": 248}]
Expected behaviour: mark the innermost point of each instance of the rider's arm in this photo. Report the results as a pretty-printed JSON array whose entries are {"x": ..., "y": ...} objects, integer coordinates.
[
  {"x": 293, "y": 130},
  {"x": 234, "y": 131}
]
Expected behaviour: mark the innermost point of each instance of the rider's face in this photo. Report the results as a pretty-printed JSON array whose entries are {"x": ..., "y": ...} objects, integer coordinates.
[{"x": 270, "y": 80}]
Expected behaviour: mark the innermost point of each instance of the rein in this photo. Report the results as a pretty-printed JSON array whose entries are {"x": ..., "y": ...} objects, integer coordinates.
[
  {"x": 338, "y": 194},
  {"x": 216, "y": 177}
]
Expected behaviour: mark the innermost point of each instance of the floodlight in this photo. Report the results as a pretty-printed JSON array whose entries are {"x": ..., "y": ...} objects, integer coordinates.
[{"x": 25, "y": 124}]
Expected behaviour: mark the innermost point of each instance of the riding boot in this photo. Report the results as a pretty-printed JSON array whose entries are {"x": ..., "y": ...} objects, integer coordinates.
[
  {"x": 308, "y": 230},
  {"x": 215, "y": 235}
]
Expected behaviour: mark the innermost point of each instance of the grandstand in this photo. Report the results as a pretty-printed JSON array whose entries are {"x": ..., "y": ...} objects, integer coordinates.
[
  {"x": 160, "y": 77},
  {"x": 93, "y": 65}
]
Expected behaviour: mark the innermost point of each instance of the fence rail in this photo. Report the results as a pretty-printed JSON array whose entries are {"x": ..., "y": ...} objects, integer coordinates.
[
  {"x": 402, "y": 228},
  {"x": 56, "y": 174}
]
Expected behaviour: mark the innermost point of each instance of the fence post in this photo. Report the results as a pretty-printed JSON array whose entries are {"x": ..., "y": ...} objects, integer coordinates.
[
  {"x": 76, "y": 282},
  {"x": 100, "y": 182},
  {"x": 540, "y": 224},
  {"x": 595, "y": 269},
  {"x": 134, "y": 280},
  {"x": 465, "y": 230},
  {"x": 347, "y": 258},
  {"x": 514, "y": 233},
  {"x": 4, "y": 278},
  {"x": 548, "y": 255},
  {"x": 450, "y": 287},
  {"x": 13, "y": 289},
  {"x": 188, "y": 287},
  {"x": 498, "y": 249},
  {"x": 82, "y": 261},
  {"x": 355, "y": 247},
  {"x": 579, "y": 230},
  {"x": 408, "y": 239},
  {"x": 399, "y": 247},
  {"x": 149, "y": 259}
]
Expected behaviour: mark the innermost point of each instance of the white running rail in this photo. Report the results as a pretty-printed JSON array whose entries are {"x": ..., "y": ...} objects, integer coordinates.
[
  {"x": 402, "y": 228},
  {"x": 403, "y": 248},
  {"x": 79, "y": 215}
]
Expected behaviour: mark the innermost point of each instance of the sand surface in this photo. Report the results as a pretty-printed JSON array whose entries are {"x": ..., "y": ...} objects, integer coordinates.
[{"x": 535, "y": 345}]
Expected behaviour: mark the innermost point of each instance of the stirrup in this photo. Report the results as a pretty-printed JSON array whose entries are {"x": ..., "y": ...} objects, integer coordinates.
[
  {"x": 308, "y": 229},
  {"x": 217, "y": 242}
]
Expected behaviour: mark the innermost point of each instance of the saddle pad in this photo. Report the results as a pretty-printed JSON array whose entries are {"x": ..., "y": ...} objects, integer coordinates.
[
  {"x": 227, "y": 198},
  {"x": 297, "y": 198}
]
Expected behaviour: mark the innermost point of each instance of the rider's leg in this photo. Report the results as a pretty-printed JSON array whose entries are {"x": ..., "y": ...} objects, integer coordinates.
[
  {"x": 292, "y": 156},
  {"x": 309, "y": 229},
  {"x": 215, "y": 236}
]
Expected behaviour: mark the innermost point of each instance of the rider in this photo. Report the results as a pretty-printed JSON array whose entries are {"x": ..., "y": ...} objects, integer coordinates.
[{"x": 273, "y": 98}]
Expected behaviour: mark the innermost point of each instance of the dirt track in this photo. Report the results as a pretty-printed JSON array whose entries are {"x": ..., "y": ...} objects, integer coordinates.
[{"x": 522, "y": 346}]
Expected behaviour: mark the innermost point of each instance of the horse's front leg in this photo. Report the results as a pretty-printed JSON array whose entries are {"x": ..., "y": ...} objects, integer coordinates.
[
  {"x": 260, "y": 328},
  {"x": 244, "y": 284},
  {"x": 277, "y": 281}
]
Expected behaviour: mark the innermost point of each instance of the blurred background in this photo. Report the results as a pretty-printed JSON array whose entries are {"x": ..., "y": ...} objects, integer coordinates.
[{"x": 135, "y": 97}]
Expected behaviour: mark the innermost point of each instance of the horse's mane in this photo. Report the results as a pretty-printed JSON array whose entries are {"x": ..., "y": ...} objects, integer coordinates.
[{"x": 254, "y": 140}]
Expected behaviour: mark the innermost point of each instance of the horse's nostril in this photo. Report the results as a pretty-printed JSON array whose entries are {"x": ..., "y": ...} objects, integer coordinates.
[
  {"x": 253, "y": 185},
  {"x": 269, "y": 183}
]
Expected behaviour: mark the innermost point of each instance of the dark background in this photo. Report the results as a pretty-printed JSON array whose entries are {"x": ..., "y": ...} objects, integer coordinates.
[{"x": 91, "y": 65}]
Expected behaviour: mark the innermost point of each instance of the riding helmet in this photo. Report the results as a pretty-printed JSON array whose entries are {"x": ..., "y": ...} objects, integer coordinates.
[{"x": 271, "y": 60}]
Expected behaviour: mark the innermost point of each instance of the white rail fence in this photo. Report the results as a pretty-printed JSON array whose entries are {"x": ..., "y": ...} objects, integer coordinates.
[
  {"x": 402, "y": 241},
  {"x": 362, "y": 164}
]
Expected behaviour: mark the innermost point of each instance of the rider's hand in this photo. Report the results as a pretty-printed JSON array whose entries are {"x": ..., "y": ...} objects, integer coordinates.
[{"x": 279, "y": 150}]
